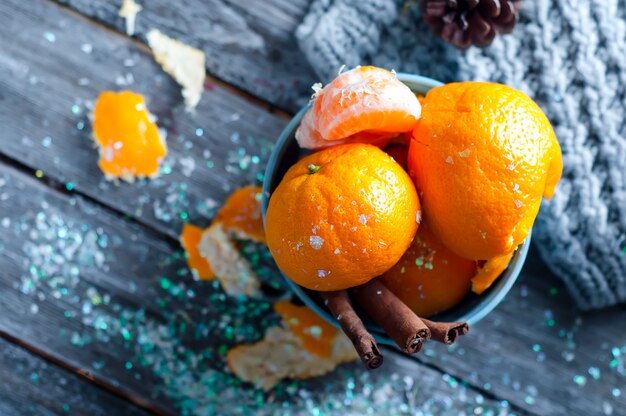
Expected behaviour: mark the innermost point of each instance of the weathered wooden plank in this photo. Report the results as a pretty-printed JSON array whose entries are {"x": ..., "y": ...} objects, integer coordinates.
[
  {"x": 499, "y": 353},
  {"x": 537, "y": 350},
  {"x": 111, "y": 299},
  {"x": 249, "y": 44},
  {"x": 47, "y": 90},
  {"x": 32, "y": 386}
]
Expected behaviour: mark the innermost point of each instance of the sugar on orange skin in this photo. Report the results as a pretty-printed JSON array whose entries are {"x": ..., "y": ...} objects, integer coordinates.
[
  {"x": 482, "y": 157},
  {"x": 341, "y": 217},
  {"x": 362, "y": 105},
  {"x": 127, "y": 137}
]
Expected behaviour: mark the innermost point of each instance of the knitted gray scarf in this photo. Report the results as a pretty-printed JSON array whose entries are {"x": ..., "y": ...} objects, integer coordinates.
[{"x": 570, "y": 57}]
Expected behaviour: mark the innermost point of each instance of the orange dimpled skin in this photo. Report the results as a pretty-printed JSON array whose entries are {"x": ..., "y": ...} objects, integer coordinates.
[
  {"x": 316, "y": 334},
  {"x": 481, "y": 157},
  {"x": 341, "y": 217},
  {"x": 189, "y": 239},
  {"x": 429, "y": 278},
  {"x": 129, "y": 141},
  {"x": 489, "y": 272},
  {"x": 364, "y": 105},
  {"x": 241, "y": 213}
]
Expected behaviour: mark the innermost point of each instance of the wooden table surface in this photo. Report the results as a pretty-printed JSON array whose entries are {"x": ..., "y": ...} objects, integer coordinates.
[{"x": 98, "y": 312}]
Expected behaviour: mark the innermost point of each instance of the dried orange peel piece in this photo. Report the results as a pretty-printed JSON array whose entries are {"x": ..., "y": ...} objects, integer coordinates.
[
  {"x": 288, "y": 353},
  {"x": 190, "y": 240},
  {"x": 489, "y": 272},
  {"x": 213, "y": 253},
  {"x": 230, "y": 267},
  {"x": 316, "y": 334},
  {"x": 127, "y": 137},
  {"x": 241, "y": 214}
]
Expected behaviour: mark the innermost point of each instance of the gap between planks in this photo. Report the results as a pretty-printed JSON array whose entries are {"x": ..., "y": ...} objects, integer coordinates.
[
  {"x": 59, "y": 187},
  {"x": 82, "y": 373},
  {"x": 254, "y": 99}
]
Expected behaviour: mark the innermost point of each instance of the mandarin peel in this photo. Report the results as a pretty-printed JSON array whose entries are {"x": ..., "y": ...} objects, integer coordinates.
[
  {"x": 241, "y": 214},
  {"x": 489, "y": 272},
  {"x": 127, "y": 137},
  {"x": 190, "y": 239},
  {"x": 212, "y": 252},
  {"x": 317, "y": 335}
]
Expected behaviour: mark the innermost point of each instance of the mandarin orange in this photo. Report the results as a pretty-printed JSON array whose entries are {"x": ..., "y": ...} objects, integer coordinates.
[
  {"x": 365, "y": 105},
  {"x": 429, "y": 278},
  {"x": 481, "y": 157},
  {"x": 128, "y": 139},
  {"x": 341, "y": 217}
]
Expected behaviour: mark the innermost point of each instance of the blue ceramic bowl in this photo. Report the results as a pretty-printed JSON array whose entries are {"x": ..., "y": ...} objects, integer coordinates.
[{"x": 473, "y": 307}]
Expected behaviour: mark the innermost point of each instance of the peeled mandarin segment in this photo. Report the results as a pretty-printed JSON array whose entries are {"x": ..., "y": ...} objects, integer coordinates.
[
  {"x": 129, "y": 141},
  {"x": 482, "y": 156},
  {"x": 429, "y": 278},
  {"x": 365, "y": 99},
  {"x": 190, "y": 239},
  {"x": 241, "y": 213},
  {"x": 341, "y": 217},
  {"x": 489, "y": 272},
  {"x": 316, "y": 334}
]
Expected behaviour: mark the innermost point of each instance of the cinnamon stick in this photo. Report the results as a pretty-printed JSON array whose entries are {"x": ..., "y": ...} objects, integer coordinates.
[
  {"x": 446, "y": 332},
  {"x": 398, "y": 320},
  {"x": 340, "y": 307}
]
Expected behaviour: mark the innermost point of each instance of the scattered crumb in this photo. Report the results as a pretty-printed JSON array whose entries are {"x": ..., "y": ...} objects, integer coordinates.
[
  {"x": 183, "y": 62},
  {"x": 230, "y": 267},
  {"x": 129, "y": 11},
  {"x": 127, "y": 137}
]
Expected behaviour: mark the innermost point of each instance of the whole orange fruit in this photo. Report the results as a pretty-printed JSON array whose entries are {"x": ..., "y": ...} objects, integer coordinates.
[
  {"x": 481, "y": 157},
  {"x": 430, "y": 278},
  {"x": 341, "y": 217}
]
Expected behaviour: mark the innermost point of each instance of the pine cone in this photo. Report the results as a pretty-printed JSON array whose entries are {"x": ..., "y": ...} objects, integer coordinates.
[{"x": 470, "y": 22}]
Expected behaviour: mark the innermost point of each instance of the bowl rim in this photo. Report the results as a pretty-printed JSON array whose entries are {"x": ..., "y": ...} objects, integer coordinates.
[{"x": 498, "y": 290}]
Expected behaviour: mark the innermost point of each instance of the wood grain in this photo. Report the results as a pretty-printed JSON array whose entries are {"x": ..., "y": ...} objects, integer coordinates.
[
  {"x": 516, "y": 353},
  {"x": 104, "y": 309},
  {"x": 41, "y": 81},
  {"x": 248, "y": 44},
  {"x": 32, "y": 386}
]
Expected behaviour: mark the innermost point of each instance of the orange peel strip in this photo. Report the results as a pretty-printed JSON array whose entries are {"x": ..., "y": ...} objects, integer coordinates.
[
  {"x": 489, "y": 272},
  {"x": 241, "y": 214},
  {"x": 190, "y": 239},
  {"x": 282, "y": 353},
  {"x": 128, "y": 140},
  {"x": 230, "y": 267}
]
